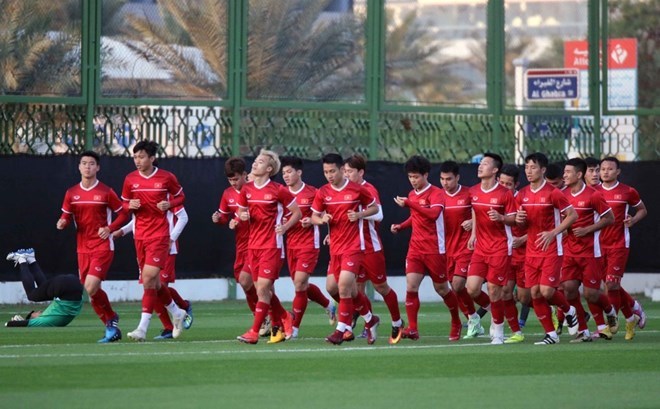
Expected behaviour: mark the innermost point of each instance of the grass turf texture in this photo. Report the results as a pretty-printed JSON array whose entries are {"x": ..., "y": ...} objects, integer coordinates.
[{"x": 207, "y": 367}]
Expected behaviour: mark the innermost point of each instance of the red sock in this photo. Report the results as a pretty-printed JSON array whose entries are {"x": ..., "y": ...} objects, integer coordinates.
[
  {"x": 626, "y": 303},
  {"x": 560, "y": 315},
  {"x": 482, "y": 300},
  {"x": 251, "y": 298},
  {"x": 597, "y": 313},
  {"x": 164, "y": 317},
  {"x": 149, "y": 299},
  {"x": 178, "y": 300},
  {"x": 299, "y": 307},
  {"x": 451, "y": 301},
  {"x": 559, "y": 300},
  {"x": 543, "y": 313},
  {"x": 511, "y": 314},
  {"x": 625, "y": 297},
  {"x": 392, "y": 302},
  {"x": 346, "y": 311},
  {"x": 102, "y": 306},
  {"x": 604, "y": 303},
  {"x": 277, "y": 311},
  {"x": 497, "y": 311},
  {"x": 615, "y": 299},
  {"x": 164, "y": 296},
  {"x": 465, "y": 302},
  {"x": 260, "y": 312},
  {"x": 361, "y": 304},
  {"x": 412, "y": 308},
  {"x": 315, "y": 294},
  {"x": 579, "y": 313}
]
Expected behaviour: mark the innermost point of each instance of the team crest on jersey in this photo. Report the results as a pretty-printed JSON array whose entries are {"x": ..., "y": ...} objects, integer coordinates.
[
  {"x": 136, "y": 185},
  {"x": 158, "y": 185},
  {"x": 348, "y": 197},
  {"x": 422, "y": 202},
  {"x": 328, "y": 198},
  {"x": 582, "y": 204},
  {"x": 460, "y": 202},
  {"x": 526, "y": 199},
  {"x": 231, "y": 200},
  {"x": 76, "y": 197},
  {"x": 97, "y": 197},
  {"x": 542, "y": 200},
  {"x": 304, "y": 201},
  {"x": 493, "y": 200},
  {"x": 268, "y": 197},
  {"x": 475, "y": 198},
  {"x": 618, "y": 197},
  {"x": 248, "y": 195}
]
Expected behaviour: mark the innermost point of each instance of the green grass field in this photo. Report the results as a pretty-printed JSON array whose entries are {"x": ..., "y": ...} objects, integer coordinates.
[{"x": 207, "y": 367}]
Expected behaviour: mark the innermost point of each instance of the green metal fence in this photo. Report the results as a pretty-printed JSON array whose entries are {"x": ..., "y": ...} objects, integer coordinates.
[{"x": 387, "y": 79}]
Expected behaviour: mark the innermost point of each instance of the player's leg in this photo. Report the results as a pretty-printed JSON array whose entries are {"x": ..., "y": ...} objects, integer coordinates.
[{"x": 476, "y": 276}]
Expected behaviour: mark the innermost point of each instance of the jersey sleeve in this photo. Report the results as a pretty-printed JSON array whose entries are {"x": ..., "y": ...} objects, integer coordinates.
[
  {"x": 559, "y": 200},
  {"x": 176, "y": 191},
  {"x": 438, "y": 199},
  {"x": 241, "y": 201},
  {"x": 66, "y": 206},
  {"x": 599, "y": 204},
  {"x": 509, "y": 203},
  {"x": 634, "y": 199},
  {"x": 114, "y": 203},
  {"x": 318, "y": 206},
  {"x": 285, "y": 197},
  {"x": 223, "y": 207},
  {"x": 366, "y": 198}
]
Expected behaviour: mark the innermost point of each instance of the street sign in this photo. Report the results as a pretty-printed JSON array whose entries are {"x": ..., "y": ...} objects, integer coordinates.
[{"x": 552, "y": 84}]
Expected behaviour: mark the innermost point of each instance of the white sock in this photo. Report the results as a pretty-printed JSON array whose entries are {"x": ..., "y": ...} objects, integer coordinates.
[
  {"x": 397, "y": 324},
  {"x": 475, "y": 316},
  {"x": 367, "y": 317},
  {"x": 145, "y": 319},
  {"x": 636, "y": 306},
  {"x": 601, "y": 327},
  {"x": 173, "y": 309}
]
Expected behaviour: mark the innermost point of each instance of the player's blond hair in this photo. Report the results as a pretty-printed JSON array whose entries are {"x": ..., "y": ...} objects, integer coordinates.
[{"x": 273, "y": 161}]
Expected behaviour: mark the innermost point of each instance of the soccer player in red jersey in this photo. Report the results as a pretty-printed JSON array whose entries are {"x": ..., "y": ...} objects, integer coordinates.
[
  {"x": 493, "y": 212},
  {"x": 457, "y": 217},
  {"x": 516, "y": 275},
  {"x": 227, "y": 213},
  {"x": 373, "y": 266},
  {"x": 90, "y": 205},
  {"x": 615, "y": 241},
  {"x": 262, "y": 203},
  {"x": 303, "y": 245},
  {"x": 426, "y": 250},
  {"x": 592, "y": 177},
  {"x": 149, "y": 192},
  {"x": 540, "y": 207},
  {"x": 337, "y": 204},
  {"x": 582, "y": 247}
]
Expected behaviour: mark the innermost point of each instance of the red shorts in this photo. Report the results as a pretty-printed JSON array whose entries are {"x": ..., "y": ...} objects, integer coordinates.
[
  {"x": 345, "y": 262},
  {"x": 583, "y": 269},
  {"x": 265, "y": 263},
  {"x": 94, "y": 264},
  {"x": 373, "y": 268},
  {"x": 302, "y": 260},
  {"x": 615, "y": 261},
  {"x": 458, "y": 266},
  {"x": 435, "y": 265},
  {"x": 167, "y": 274},
  {"x": 152, "y": 252},
  {"x": 543, "y": 271},
  {"x": 241, "y": 264},
  {"x": 493, "y": 269},
  {"x": 517, "y": 271}
]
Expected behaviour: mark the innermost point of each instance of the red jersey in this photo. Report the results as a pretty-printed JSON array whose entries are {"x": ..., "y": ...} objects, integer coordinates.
[
  {"x": 344, "y": 234},
  {"x": 590, "y": 206},
  {"x": 298, "y": 237},
  {"x": 619, "y": 198},
  {"x": 458, "y": 208},
  {"x": 369, "y": 228},
  {"x": 493, "y": 238},
  {"x": 150, "y": 221},
  {"x": 228, "y": 208},
  {"x": 518, "y": 253},
  {"x": 265, "y": 205},
  {"x": 91, "y": 209},
  {"x": 428, "y": 235},
  {"x": 544, "y": 207}
]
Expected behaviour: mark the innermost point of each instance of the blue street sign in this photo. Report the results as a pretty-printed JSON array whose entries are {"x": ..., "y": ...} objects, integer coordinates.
[{"x": 552, "y": 84}]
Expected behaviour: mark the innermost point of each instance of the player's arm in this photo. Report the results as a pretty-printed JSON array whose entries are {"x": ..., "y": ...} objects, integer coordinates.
[
  {"x": 376, "y": 217},
  {"x": 546, "y": 237},
  {"x": 473, "y": 233},
  {"x": 65, "y": 218},
  {"x": 181, "y": 221},
  {"x": 406, "y": 224},
  {"x": 124, "y": 230},
  {"x": 432, "y": 212},
  {"x": 640, "y": 213},
  {"x": 293, "y": 218}
]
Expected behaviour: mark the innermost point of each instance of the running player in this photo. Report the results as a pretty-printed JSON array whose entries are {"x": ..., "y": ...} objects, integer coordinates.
[{"x": 90, "y": 204}]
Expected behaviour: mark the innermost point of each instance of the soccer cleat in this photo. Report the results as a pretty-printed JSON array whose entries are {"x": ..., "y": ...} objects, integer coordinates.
[
  {"x": 29, "y": 255},
  {"x": 332, "y": 313},
  {"x": 397, "y": 334},
  {"x": 411, "y": 334},
  {"x": 555, "y": 320},
  {"x": 515, "y": 338},
  {"x": 112, "y": 331},
  {"x": 276, "y": 336},
  {"x": 264, "y": 330},
  {"x": 250, "y": 337},
  {"x": 336, "y": 337},
  {"x": 630, "y": 329},
  {"x": 582, "y": 336},
  {"x": 522, "y": 323},
  {"x": 164, "y": 334},
  {"x": 455, "y": 331},
  {"x": 17, "y": 257},
  {"x": 605, "y": 334},
  {"x": 177, "y": 322},
  {"x": 474, "y": 328},
  {"x": 17, "y": 317},
  {"x": 287, "y": 323},
  {"x": 639, "y": 312},
  {"x": 612, "y": 323},
  {"x": 372, "y": 329},
  {"x": 188, "y": 321},
  {"x": 364, "y": 333},
  {"x": 137, "y": 335},
  {"x": 349, "y": 336},
  {"x": 571, "y": 321},
  {"x": 548, "y": 340}
]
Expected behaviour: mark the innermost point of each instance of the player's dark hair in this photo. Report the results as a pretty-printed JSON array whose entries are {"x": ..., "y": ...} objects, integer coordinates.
[
  {"x": 538, "y": 158},
  {"x": 356, "y": 162},
  {"x": 293, "y": 161},
  {"x": 511, "y": 171},
  {"x": 611, "y": 159},
  {"x": 554, "y": 171},
  {"x": 91, "y": 154},
  {"x": 579, "y": 164},
  {"x": 591, "y": 162},
  {"x": 449, "y": 167},
  {"x": 333, "y": 158},
  {"x": 149, "y": 147},
  {"x": 418, "y": 164},
  {"x": 234, "y": 167},
  {"x": 496, "y": 158}
]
